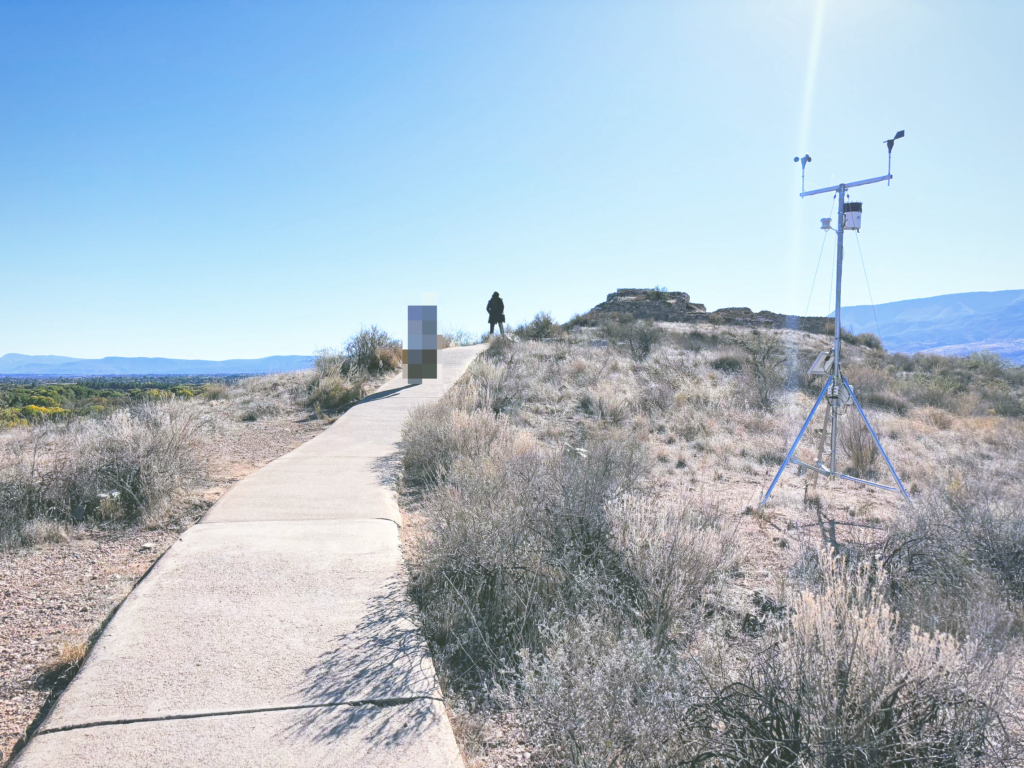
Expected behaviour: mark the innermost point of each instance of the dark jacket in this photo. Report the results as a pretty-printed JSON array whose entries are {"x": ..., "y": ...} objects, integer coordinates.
[{"x": 496, "y": 310}]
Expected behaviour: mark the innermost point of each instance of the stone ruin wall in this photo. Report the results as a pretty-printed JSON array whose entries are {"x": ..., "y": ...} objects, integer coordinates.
[{"x": 676, "y": 307}]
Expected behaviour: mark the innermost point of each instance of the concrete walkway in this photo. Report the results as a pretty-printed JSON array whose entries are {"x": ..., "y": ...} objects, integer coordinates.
[{"x": 275, "y": 632}]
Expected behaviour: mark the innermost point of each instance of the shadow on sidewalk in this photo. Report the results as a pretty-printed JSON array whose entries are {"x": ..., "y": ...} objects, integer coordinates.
[
  {"x": 382, "y": 395},
  {"x": 381, "y": 671}
]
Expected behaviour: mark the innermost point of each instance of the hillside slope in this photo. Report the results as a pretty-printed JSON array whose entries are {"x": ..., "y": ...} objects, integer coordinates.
[
  {"x": 599, "y": 587},
  {"x": 958, "y": 323}
]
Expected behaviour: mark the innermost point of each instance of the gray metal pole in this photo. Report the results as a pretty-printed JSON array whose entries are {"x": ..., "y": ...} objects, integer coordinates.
[{"x": 837, "y": 377}]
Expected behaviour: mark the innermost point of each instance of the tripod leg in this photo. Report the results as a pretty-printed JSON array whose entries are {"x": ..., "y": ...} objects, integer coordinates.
[
  {"x": 874, "y": 437},
  {"x": 796, "y": 442}
]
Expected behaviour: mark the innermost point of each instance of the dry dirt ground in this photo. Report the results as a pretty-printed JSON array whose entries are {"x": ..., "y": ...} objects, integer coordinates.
[
  {"x": 57, "y": 596},
  {"x": 708, "y": 440}
]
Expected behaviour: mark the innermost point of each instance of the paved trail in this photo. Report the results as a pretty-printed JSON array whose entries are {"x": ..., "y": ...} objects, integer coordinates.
[{"x": 275, "y": 632}]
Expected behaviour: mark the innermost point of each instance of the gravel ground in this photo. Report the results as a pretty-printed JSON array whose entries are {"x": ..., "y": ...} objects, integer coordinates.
[{"x": 56, "y": 597}]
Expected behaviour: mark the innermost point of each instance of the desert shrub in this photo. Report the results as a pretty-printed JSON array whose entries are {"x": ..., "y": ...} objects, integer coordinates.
[
  {"x": 885, "y": 401},
  {"x": 677, "y": 552},
  {"x": 956, "y": 560},
  {"x": 1001, "y": 399},
  {"x": 603, "y": 698},
  {"x": 260, "y": 409},
  {"x": 767, "y": 368},
  {"x": 561, "y": 595},
  {"x": 456, "y": 338},
  {"x": 936, "y": 391},
  {"x": 216, "y": 390},
  {"x": 842, "y": 683},
  {"x": 858, "y": 446},
  {"x": 500, "y": 348},
  {"x": 869, "y": 340},
  {"x": 847, "y": 337},
  {"x": 373, "y": 351},
  {"x": 656, "y": 388},
  {"x": 516, "y": 535},
  {"x": 983, "y": 381},
  {"x": 40, "y": 530},
  {"x": 613, "y": 409},
  {"x": 543, "y": 326},
  {"x": 587, "y": 320},
  {"x": 696, "y": 341},
  {"x": 337, "y": 379},
  {"x": 638, "y": 337},
  {"x": 935, "y": 417},
  {"x": 331, "y": 392},
  {"x": 144, "y": 454},
  {"x": 728, "y": 363},
  {"x": 499, "y": 387},
  {"x": 435, "y": 435},
  {"x": 331, "y": 362}
]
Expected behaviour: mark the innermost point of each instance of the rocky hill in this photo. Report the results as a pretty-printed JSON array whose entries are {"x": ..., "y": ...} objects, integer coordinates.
[{"x": 676, "y": 307}]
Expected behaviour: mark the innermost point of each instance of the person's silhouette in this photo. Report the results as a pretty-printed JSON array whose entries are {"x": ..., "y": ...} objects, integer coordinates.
[{"x": 496, "y": 313}]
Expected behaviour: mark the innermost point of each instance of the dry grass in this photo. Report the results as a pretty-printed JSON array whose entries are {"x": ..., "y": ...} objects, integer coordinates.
[
  {"x": 61, "y": 577},
  {"x": 64, "y": 664},
  {"x": 373, "y": 352},
  {"x": 128, "y": 465},
  {"x": 141, "y": 463},
  {"x": 452, "y": 337},
  {"x": 215, "y": 391},
  {"x": 340, "y": 379},
  {"x": 603, "y": 611},
  {"x": 842, "y": 683}
]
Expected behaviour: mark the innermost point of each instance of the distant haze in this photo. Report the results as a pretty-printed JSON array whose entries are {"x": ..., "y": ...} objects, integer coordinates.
[
  {"x": 54, "y": 365},
  {"x": 957, "y": 324}
]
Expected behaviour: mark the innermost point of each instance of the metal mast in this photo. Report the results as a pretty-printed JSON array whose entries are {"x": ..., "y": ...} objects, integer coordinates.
[
  {"x": 837, "y": 390},
  {"x": 837, "y": 344}
]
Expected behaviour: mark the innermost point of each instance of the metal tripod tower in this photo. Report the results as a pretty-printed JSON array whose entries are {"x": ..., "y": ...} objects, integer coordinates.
[{"x": 837, "y": 392}]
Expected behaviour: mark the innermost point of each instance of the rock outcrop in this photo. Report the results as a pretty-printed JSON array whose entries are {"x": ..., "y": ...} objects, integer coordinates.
[{"x": 676, "y": 307}]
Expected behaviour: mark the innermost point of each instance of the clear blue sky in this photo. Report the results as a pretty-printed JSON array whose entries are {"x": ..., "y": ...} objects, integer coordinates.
[{"x": 238, "y": 179}]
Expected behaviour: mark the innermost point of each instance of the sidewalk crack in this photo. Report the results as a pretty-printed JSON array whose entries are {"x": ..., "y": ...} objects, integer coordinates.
[{"x": 388, "y": 702}]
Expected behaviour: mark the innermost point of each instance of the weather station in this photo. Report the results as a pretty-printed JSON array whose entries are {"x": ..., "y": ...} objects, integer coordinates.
[{"x": 838, "y": 394}]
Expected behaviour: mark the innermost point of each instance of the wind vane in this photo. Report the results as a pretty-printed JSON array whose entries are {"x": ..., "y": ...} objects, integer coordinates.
[{"x": 837, "y": 392}]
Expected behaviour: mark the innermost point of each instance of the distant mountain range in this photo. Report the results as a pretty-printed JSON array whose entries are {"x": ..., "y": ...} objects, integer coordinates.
[
  {"x": 955, "y": 324},
  {"x": 55, "y": 365}
]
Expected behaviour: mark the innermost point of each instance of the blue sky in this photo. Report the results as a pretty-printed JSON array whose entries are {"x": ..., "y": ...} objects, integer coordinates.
[{"x": 238, "y": 179}]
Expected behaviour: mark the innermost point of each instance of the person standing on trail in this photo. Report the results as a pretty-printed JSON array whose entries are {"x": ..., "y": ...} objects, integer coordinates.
[{"x": 496, "y": 313}]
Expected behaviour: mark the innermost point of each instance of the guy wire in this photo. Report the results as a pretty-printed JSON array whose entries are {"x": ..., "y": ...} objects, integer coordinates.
[
  {"x": 810, "y": 296},
  {"x": 816, "y": 267},
  {"x": 866, "y": 282},
  {"x": 831, "y": 286}
]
